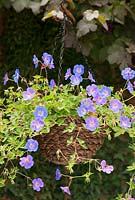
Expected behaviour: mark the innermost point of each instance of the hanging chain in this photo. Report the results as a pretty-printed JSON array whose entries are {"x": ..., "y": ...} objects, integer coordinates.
[{"x": 62, "y": 48}]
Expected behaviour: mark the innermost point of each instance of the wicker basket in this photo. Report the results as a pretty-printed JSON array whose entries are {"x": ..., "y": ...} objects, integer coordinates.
[{"x": 54, "y": 145}]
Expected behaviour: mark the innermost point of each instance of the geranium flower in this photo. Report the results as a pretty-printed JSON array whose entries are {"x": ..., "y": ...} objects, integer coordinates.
[
  {"x": 125, "y": 122},
  {"x": 28, "y": 94},
  {"x": 5, "y": 78},
  {"x": 76, "y": 79},
  {"x": 130, "y": 87},
  {"x": 37, "y": 124},
  {"x": 78, "y": 69},
  {"x": 35, "y": 61},
  {"x": 40, "y": 112},
  {"x": 57, "y": 175},
  {"x": 26, "y": 162},
  {"x": 68, "y": 73},
  {"x": 90, "y": 77},
  {"x": 91, "y": 123},
  {"x": 99, "y": 99},
  {"x": 37, "y": 184},
  {"x": 105, "y": 91},
  {"x": 66, "y": 190},
  {"x": 16, "y": 76},
  {"x": 88, "y": 105},
  {"x": 81, "y": 111},
  {"x": 115, "y": 105},
  {"x": 52, "y": 84},
  {"x": 106, "y": 168},
  {"x": 31, "y": 145},
  {"x": 48, "y": 60},
  {"x": 92, "y": 90},
  {"x": 128, "y": 73}
]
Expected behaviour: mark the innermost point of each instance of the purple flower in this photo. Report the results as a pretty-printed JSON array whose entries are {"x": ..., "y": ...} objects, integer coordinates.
[
  {"x": 125, "y": 122},
  {"x": 130, "y": 87},
  {"x": 99, "y": 100},
  {"x": 35, "y": 61},
  {"x": 57, "y": 175},
  {"x": 106, "y": 168},
  {"x": 48, "y": 60},
  {"x": 28, "y": 94},
  {"x": 115, "y": 105},
  {"x": 40, "y": 112},
  {"x": 52, "y": 84},
  {"x": 90, "y": 77},
  {"x": 5, "y": 78},
  {"x": 37, "y": 184},
  {"x": 16, "y": 76},
  {"x": 128, "y": 73},
  {"x": 91, "y": 123},
  {"x": 92, "y": 90},
  {"x": 105, "y": 91},
  {"x": 81, "y": 111},
  {"x": 26, "y": 162},
  {"x": 75, "y": 79},
  {"x": 88, "y": 105},
  {"x": 66, "y": 190},
  {"x": 78, "y": 70},
  {"x": 68, "y": 73},
  {"x": 31, "y": 145},
  {"x": 37, "y": 125}
]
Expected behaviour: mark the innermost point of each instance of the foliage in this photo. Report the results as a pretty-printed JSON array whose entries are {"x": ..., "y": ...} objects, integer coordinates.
[{"x": 34, "y": 109}]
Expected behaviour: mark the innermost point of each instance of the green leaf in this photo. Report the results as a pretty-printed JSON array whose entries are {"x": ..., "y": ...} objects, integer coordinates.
[
  {"x": 82, "y": 143},
  {"x": 70, "y": 140},
  {"x": 131, "y": 167}
]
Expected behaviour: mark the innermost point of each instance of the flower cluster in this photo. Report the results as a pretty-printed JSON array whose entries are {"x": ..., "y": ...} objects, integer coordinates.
[{"x": 27, "y": 162}]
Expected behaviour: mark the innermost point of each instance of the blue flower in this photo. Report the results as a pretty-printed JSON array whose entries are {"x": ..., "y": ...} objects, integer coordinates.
[
  {"x": 88, "y": 105},
  {"x": 26, "y": 162},
  {"x": 115, "y": 105},
  {"x": 37, "y": 184},
  {"x": 68, "y": 73},
  {"x": 99, "y": 99},
  {"x": 37, "y": 124},
  {"x": 128, "y": 73},
  {"x": 52, "y": 84},
  {"x": 78, "y": 69},
  {"x": 31, "y": 145},
  {"x": 16, "y": 76},
  {"x": 130, "y": 87},
  {"x": 28, "y": 94},
  {"x": 91, "y": 123},
  {"x": 57, "y": 175},
  {"x": 48, "y": 60},
  {"x": 35, "y": 61},
  {"x": 76, "y": 79},
  {"x": 90, "y": 77},
  {"x": 40, "y": 112},
  {"x": 92, "y": 90},
  {"x": 81, "y": 111},
  {"x": 105, "y": 91},
  {"x": 5, "y": 78},
  {"x": 66, "y": 190},
  {"x": 125, "y": 122}
]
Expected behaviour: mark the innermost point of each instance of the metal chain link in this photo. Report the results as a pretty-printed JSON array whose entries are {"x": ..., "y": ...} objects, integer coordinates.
[{"x": 62, "y": 49}]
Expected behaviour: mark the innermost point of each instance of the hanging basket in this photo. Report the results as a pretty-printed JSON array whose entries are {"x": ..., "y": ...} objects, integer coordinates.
[{"x": 53, "y": 145}]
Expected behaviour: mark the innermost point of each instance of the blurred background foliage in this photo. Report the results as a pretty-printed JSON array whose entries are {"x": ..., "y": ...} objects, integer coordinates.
[{"x": 104, "y": 44}]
